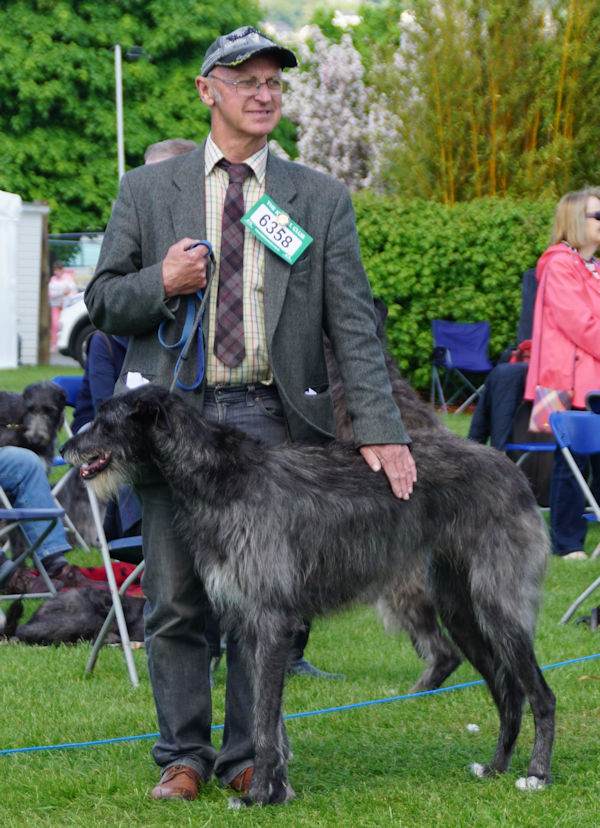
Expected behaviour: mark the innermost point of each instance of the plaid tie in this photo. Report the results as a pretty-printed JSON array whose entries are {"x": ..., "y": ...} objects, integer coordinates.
[{"x": 229, "y": 328}]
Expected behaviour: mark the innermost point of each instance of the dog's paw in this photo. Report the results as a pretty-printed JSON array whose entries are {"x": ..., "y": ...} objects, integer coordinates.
[
  {"x": 479, "y": 770},
  {"x": 530, "y": 783},
  {"x": 239, "y": 802}
]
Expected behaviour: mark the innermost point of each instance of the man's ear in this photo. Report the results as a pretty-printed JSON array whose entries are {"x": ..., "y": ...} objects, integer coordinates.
[{"x": 205, "y": 90}]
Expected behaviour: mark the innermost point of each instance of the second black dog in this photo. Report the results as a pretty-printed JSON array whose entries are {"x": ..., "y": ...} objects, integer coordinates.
[{"x": 33, "y": 418}]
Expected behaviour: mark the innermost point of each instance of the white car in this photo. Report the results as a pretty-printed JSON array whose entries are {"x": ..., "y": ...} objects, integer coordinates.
[{"x": 74, "y": 330}]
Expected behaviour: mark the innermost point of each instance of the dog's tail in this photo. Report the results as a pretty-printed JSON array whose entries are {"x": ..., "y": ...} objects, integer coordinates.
[{"x": 13, "y": 616}]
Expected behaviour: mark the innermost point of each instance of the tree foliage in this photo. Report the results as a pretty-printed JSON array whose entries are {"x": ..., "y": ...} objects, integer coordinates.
[
  {"x": 493, "y": 98},
  {"x": 467, "y": 98},
  {"x": 57, "y": 93}
]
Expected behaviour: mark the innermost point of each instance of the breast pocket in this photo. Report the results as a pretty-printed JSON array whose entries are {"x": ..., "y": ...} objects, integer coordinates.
[{"x": 302, "y": 267}]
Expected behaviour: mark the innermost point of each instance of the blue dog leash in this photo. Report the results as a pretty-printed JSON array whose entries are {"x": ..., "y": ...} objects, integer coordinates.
[{"x": 192, "y": 328}]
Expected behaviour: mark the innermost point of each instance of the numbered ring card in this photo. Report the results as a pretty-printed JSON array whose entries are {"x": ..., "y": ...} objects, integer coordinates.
[{"x": 276, "y": 229}]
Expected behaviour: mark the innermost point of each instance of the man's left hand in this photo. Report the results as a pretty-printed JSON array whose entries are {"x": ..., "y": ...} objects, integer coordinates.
[{"x": 397, "y": 463}]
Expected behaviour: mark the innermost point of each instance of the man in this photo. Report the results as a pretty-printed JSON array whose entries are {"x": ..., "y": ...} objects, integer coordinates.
[{"x": 264, "y": 370}]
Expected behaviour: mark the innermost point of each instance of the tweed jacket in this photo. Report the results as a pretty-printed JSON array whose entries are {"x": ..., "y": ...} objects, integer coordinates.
[{"x": 325, "y": 290}]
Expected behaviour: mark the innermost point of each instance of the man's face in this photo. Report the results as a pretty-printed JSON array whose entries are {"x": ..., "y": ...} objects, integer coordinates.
[{"x": 234, "y": 114}]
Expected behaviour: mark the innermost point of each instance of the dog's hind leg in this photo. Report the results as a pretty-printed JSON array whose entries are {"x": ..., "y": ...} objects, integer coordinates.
[
  {"x": 500, "y": 645},
  {"x": 543, "y": 706},
  {"x": 458, "y": 614}
]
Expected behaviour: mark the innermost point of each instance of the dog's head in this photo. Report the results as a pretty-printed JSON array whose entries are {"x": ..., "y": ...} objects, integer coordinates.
[
  {"x": 120, "y": 439},
  {"x": 44, "y": 404}
]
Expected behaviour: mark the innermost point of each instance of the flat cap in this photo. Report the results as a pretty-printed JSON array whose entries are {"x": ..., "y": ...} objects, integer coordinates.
[{"x": 240, "y": 45}]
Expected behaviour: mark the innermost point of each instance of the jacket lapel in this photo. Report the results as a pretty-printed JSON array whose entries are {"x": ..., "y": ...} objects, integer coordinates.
[
  {"x": 282, "y": 190},
  {"x": 187, "y": 205}
]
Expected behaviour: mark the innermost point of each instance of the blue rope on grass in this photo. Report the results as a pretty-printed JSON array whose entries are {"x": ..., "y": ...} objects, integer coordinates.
[{"x": 292, "y": 715}]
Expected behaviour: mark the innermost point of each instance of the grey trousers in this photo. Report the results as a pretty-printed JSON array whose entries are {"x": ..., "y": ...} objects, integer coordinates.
[{"x": 177, "y": 652}]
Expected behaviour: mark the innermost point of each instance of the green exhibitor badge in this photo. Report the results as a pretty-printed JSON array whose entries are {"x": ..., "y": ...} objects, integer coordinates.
[{"x": 276, "y": 229}]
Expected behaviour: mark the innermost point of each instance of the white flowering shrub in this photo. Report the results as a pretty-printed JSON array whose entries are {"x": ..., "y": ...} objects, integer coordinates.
[{"x": 328, "y": 101}]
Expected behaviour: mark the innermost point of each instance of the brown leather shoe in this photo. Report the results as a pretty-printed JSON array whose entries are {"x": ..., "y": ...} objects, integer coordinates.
[
  {"x": 241, "y": 782},
  {"x": 177, "y": 782}
]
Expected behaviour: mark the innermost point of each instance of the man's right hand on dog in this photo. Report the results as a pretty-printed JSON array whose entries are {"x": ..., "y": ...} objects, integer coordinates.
[{"x": 184, "y": 270}]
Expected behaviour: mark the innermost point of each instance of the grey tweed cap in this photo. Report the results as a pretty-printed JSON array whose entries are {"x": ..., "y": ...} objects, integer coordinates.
[{"x": 240, "y": 45}]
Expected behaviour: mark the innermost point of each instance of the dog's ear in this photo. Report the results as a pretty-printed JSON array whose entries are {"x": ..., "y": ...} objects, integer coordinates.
[{"x": 151, "y": 410}]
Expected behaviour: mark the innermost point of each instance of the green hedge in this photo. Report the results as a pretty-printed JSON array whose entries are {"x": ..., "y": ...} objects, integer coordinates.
[{"x": 462, "y": 263}]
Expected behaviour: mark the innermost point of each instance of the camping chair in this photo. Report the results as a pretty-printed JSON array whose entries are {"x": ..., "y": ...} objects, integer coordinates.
[
  {"x": 125, "y": 548},
  {"x": 458, "y": 348},
  {"x": 579, "y": 432},
  {"x": 71, "y": 385},
  {"x": 15, "y": 518}
]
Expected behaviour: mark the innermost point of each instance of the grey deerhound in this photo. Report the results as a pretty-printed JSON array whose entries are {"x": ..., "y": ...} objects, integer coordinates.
[{"x": 290, "y": 532}]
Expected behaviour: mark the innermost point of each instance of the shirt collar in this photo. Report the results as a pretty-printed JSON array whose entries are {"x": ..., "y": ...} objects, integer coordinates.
[{"x": 258, "y": 161}]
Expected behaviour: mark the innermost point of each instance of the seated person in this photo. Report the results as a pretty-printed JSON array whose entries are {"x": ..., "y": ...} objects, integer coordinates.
[
  {"x": 497, "y": 405},
  {"x": 503, "y": 390},
  {"x": 23, "y": 478}
]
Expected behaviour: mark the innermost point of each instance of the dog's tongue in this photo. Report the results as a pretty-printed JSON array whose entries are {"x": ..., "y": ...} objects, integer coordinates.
[{"x": 93, "y": 468}]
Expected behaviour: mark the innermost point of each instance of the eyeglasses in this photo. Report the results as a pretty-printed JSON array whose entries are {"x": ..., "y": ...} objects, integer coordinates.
[
  {"x": 593, "y": 215},
  {"x": 247, "y": 87}
]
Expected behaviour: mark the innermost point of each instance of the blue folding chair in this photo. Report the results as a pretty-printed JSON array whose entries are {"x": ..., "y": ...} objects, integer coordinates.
[
  {"x": 459, "y": 348},
  {"x": 15, "y": 517},
  {"x": 579, "y": 432}
]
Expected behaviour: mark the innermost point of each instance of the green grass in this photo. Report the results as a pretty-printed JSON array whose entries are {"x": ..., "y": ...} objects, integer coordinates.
[
  {"x": 12, "y": 379},
  {"x": 402, "y": 763}
]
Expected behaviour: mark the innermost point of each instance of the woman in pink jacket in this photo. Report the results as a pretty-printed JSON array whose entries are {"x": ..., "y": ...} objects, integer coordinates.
[{"x": 565, "y": 352}]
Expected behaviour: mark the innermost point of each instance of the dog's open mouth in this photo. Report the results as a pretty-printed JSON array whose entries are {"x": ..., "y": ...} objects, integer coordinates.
[{"x": 90, "y": 470}]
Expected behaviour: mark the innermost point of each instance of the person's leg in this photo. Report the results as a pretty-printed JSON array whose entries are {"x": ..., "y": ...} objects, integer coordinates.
[
  {"x": 299, "y": 666},
  {"x": 176, "y": 649},
  {"x": 595, "y": 467},
  {"x": 479, "y": 428},
  {"x": 23, "y": 477},
  {"x": 54, "y": 325},
  {"x": 567, "y": 503}
]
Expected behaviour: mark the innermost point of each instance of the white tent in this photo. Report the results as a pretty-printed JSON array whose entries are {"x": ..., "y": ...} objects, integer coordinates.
[
  {"x": 10, "y": 213},
  {"x": 21, "y": 252}
]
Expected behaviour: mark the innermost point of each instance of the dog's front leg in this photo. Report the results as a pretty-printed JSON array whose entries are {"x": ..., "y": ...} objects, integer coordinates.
[{"x": 269, "y": 785}]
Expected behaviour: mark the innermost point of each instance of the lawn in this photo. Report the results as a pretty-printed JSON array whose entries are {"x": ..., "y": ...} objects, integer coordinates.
[{"x": 398, "y": 762}]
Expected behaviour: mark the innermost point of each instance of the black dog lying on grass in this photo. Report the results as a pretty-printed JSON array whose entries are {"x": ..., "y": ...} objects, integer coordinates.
[
  {"x": 74, "y": 615},
  {"x": 298, "y": 531}
]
